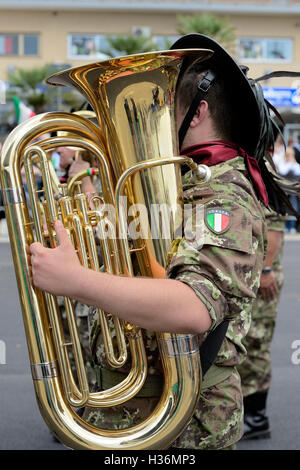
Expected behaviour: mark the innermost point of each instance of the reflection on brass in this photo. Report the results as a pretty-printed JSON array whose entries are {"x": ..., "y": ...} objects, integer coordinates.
[{"x": 134, "y": 147}]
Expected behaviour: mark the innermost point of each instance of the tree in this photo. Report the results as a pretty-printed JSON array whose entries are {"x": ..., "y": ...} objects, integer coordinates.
[
  {"x": 217, "y": 28},
  {"x": 128, "y": 44},
  {"x": 31, "y": 84}
]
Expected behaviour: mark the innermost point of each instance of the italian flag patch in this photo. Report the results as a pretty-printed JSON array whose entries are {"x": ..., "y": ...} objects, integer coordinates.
[{"x": 217, "y": 220}]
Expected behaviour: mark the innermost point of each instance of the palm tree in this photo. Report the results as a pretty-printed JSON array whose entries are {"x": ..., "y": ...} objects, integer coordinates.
[
  {"x": 128, "y": 44},
  {"x": 217, "y": 28},
  {"x": 31, "y": 84}
]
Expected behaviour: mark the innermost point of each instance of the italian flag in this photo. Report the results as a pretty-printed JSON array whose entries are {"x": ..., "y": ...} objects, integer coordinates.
[
  {"x": 23, "y": 111},
  {"x": 217, "y": 220}
]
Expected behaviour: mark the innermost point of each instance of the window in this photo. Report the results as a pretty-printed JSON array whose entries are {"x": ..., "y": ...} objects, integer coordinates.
[
  {"x": 9, "y": 44},
  {"x": 82, "y": 46},
  {"x": 19, "y": 44},
  {"x": 30, "y": 44},
  {"x": 266, "y": 49}
]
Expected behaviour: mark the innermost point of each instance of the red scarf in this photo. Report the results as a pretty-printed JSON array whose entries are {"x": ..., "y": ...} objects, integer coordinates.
[{"x": 212, "y": 153}]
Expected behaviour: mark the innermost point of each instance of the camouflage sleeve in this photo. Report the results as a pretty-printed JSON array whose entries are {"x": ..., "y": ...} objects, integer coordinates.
[
  {"x": 275, "y": 221},
  {"x": 224, "y": 263}
]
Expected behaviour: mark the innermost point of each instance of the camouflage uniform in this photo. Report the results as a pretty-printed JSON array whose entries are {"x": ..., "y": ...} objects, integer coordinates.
[
  {"x": 81, "y": 312},
  {"x": 255, "y": 371},
  {"x": 225, "y": 275}
]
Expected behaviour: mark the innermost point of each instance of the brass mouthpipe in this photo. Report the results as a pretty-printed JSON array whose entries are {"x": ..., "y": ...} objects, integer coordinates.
[
  {"x": 120, "y": 191},
  {"x": 78, "y": 177}
]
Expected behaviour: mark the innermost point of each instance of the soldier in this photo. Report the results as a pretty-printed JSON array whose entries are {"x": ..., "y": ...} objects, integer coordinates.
[
  {"x": 206, "y": 286},
  {"x": 255, "y": 371}
]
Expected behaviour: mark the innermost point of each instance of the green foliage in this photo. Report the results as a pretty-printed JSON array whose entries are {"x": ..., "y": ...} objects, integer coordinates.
[
  {"x": 217, "y": 28},
  {"x": 128, "y": 44},
  {"x": 31, "y": 83},
  {"x": 30, "y": 86},
  {"x": 30, "y": 79}
]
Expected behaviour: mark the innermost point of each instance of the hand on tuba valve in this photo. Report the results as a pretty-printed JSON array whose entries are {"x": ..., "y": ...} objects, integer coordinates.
[{"x": 52, "y": 266}]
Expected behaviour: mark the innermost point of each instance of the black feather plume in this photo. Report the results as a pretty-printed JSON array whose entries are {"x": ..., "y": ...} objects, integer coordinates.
[{"x": 278, "y": 188}]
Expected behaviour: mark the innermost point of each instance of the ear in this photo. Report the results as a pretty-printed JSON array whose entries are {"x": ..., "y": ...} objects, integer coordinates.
[{"x": 200, "y": 115}]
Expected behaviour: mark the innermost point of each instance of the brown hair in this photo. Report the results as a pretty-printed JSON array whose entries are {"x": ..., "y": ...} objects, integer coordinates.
[{"x": 217, "y": 97}]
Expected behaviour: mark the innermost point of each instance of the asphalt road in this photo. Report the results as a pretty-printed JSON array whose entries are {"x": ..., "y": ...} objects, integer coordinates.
[{"x": 21, "y": 425}]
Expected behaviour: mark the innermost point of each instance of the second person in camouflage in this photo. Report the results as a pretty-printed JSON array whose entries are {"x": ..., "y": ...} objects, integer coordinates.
[{"x": 255, "y": 371}]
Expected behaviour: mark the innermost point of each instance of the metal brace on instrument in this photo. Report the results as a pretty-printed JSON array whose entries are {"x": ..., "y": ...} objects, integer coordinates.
[{"x": 201, "y": 174}]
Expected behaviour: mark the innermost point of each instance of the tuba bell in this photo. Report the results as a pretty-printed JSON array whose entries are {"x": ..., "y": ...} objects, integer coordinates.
[{"x": 135, "y": 147}]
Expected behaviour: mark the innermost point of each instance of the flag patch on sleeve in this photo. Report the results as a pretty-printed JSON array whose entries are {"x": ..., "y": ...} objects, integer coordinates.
[{"x": 217, "y": 220}]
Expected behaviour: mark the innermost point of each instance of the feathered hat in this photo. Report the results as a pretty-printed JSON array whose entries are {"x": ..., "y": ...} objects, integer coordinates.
[{"x": 254, "y": 127}]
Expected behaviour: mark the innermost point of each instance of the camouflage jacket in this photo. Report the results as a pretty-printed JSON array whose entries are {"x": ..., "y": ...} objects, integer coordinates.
[
  {"x": 223, "y": 268},
  {"x": 276, "y": 222},
  {"x": 225, "y": 271}
]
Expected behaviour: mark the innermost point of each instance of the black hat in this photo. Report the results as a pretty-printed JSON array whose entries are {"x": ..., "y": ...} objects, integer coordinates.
[
  {"x": 246, "y": 119},
  {"x": 254, "y": 128}
]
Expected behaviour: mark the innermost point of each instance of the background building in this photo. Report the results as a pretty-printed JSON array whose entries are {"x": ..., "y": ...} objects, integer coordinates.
[{"x": 73, "y": 32}]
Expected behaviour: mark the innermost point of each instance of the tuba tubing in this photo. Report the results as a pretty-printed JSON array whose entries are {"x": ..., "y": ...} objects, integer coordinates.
[{"x": 34, "y": 302}]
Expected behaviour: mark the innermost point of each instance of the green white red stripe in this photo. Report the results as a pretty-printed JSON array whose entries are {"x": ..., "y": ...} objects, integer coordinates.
[
  {"x": 217, "y": 220},
  {"x": 23, "y": 112}
]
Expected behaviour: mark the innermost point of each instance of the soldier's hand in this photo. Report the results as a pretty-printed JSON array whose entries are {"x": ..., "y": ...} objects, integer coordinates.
[
  {"x": 54, "y": 270},
  {"x": 268, "y": 286}
]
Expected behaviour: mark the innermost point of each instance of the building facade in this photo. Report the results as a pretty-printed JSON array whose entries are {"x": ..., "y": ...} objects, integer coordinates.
[{"x": 73, "y": 32}]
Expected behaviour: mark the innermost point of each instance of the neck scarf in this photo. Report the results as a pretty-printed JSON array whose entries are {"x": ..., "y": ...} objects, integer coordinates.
[{"x": 212, "y": 153}]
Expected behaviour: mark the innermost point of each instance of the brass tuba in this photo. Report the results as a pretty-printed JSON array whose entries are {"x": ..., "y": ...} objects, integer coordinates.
[{"x": 134, "y": 145}]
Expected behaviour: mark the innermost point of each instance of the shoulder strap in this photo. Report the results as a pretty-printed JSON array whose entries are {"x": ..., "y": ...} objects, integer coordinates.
[{"x": 211, "y": 346}]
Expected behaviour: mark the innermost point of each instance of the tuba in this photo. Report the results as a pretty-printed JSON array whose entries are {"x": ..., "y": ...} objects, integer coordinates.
[{"x": 135, "y": 147}]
